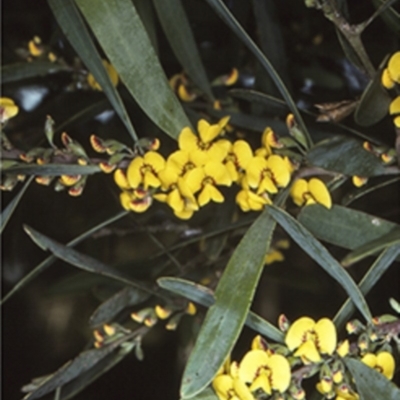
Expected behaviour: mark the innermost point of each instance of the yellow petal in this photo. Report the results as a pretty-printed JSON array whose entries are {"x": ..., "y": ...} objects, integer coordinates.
[
  {"x": 187, "y": 139},
  {"x": 326, "y": 333},
  {"x": 194, "y": 179},
  {"x": 369, "y": 359},
  {"x": 308, "y": 352},
  {"x": 394, "y": 107},
  {"x": 8, "y": 109},
  {"x": 280, "y": 372},
  {"x": 254, "y": 171},
  {"x": 208, "y": 134},
  {"x": 251, "y": 363},
  {"x": 175, "y": 201},
  {"x": 155, "y": 160},
  {"x": 386, "y": 364},
  {"x": 178, "y": 160},
  {"x": 133, "y": 172},
  {"x": 320, "y": 192},
  {"x": 222, "y": 384},
  {"x": 298, "y": 190},
  {"x": 267, "y": 185},
  {"x": 343, "y": 348},
  {"x": 359, "y": 181},
  {"x": 394, "y": 67},
  {"x": 168, "y": 177},
  {"x": 242, "y": 391},
  {"x": 210, "y": 193},
  {"x": 151, "y": 180},
  {"x": 262, "y": 382},
  {"x": 295, "y": 334},
  {"x": 120, "y": 179},
  {"x": 218, "y": 172},
  {"x": 387, "y": 80},
  {"x": 125, "y": 200},
  {"x": 242, "y": 150},
  {"x": 279, "y": 169}
]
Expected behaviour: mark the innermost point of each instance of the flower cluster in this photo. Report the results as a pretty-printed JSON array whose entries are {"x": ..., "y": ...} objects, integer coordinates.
[
  {"x": 310, "y": 347},
  {"x": 191, "y": 176}
]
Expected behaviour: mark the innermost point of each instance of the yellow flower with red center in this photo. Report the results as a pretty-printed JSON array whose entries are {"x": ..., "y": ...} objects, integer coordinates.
[
  {"x": 269, "y": 141},
  {"x": 144, "y": 170},
  {"x": 310, "y": 339},
  {"x": 112, "y": 74},
  {"x": 8, "y": 109},
  {"x": 205, "y": 179},
  {"x": 266, "y": 175},
  {"x": 238, "y": 158},
  {"x": 311, "y": 192},
  {"x": 138, "y": 200},
  {"x": 204, "y": 148},
  {"x": 383, "y": 362},
  {"x": 263, "y": 371}
]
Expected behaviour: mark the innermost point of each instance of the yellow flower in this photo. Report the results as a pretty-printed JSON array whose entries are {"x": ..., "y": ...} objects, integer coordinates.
[
  {"x": 8, "y": 109},
  {"x": 205, "y": 179},
  {"x": 310, "y": 339},
  {"x": 391, "y": 75},
  {"x": 204, "y": 148},
  {"x": 112, "y": 73},
  {"x": 144, "y": 170},
  {"x": 394, "y": 109},
  {"x": 274, "y": 254},
  {"x": 382, "y": 362},
  {"x": 267, "y": 174},
  {"x": 238, "y": 158},
  {"x": 314, "y": 191},
  {"x": 359, "y": 181},
  {"x": 266, "y": 372},
  {"x": 269, "y": 140},
  {"x": 137, "y": 200}
]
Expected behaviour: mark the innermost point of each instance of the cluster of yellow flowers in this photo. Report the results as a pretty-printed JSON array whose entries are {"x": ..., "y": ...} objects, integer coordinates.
[
  {"x": 390, "y": 79},
  {"x": 277, "y": 371},
  {"x": 189, "y": 178}
]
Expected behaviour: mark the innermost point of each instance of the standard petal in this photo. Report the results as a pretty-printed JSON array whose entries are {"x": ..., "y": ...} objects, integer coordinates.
[
  {"x": 297, "y": 331},
  {"x": 386, "y": 364},
  {"x": 279, "y": 169},
  {"x": 298, "y": 190},
  {"x": 133, "y": 173},
  {"x": 394, "y": 67},
  {"x": 327, "y": 337},
  {"x": 194, "y": 179},
  {"x": 243, "y": 153},
  {"x": 320, "y": 192},
  {"x": 187, "y": 139},
  {"x": 280, "y": 372},
  {"x": 155, "y": 160},
  {"x": 218, "y": 172},
  {"x": 394, "y": 107},
  {"x": 254, "y": 171},
  {"x": 251, "y": 364}
]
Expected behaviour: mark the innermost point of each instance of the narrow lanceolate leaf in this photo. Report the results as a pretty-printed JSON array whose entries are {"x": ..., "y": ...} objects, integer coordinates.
[
  {"x": 378, "y": 268},
  {"x": 230, "y": 20},
  {"x": 371, "y": 248},
  {"x": 180, "y": 36},
  {"x": 321, "y": 255},
  {"x": 226, "y": 317},
  {"x": 24, "y": 70},
  {"x": 346, "y": 156},
  {"x": 343, "y": 226},
  {"x": 52, "y": 169},
  {"x": 12, "y": 205},
  {"x": 82, "y": 261},
  {"x": 371, "y": 384},
  {"x": 111, "y": 307},
  {"x": 49, "y": 260},
  {"x": 205, "y": 297},
  {"x": 120, "y": 32},
  {"x": 75, "y": 30}
]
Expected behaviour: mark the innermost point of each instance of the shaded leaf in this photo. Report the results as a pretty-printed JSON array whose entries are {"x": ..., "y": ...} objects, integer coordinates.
[
  {"x": 146, "y": 14},
  {"x": 180, "y": 37},
  {"x": 75, "y": 30},
  {"x": 112, "y": 306},
  {"x": 12, "y": 205},
  {"x": 343, "y": 226},
  {"x": 378, "y": 268},
  {"x": 121, "y": 34},
  {"x": 390, "y": 16},
  {"x": 83, "y": 261},
  {"x": 49, "y": 260},
  {"x": 374, "y": 103},
  {"x": 69, "y": 371},
  {"x": 226, "y": 317},
  {"x": 371, "y": 248},
  {"x": 371, "y": 384},
  {"x": 52, "y": 169},
  {"x": 24, "y": 70},
  {"x": 320, "y": 254},
  {"x": 230, "y": 20},
  {"x": 205, "y": 297},
  {"x": 346, "y": 156}
]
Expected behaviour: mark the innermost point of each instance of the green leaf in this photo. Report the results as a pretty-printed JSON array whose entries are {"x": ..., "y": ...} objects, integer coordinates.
[
  {"x": 225, "y": 319},
  {"x": 374, "y": 103},
  {"x": 8, "y": 211},
  {"x": 371, "y": 385},
  {"x": 111, "y": 307},
  {"x": 230, "y": 20},
  {"x": 75, "y": 30},
  {"x": 121, "y": 34},
  {"x": 321, "y": 255},
  {"x": 49, "y": 260},
  {"x": 343, "y": 226},
  {"x": 371, "y": 248},
  {"x": 24, "y": 70},
  {"x": 51, "y": 169},
  {"x": 378, "y": 268},
  {"x": 346, "y": 156},
  {"x": 207, "y": 394},
  {"x": 205, "y": 297},
  {"x": 83, "y": 261},
  {"x": 180, "y": 36},
  {"x": 390, "y": 16}
]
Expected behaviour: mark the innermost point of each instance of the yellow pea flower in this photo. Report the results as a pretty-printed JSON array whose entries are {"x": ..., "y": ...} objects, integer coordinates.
[
  {"x": 383, "y": 362},
  {"x": 112, "y": 73},
  {"x": 310, "y": 339},
  {"x": 314, "y": 191},
  {"x": 391, "y": 75}
]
